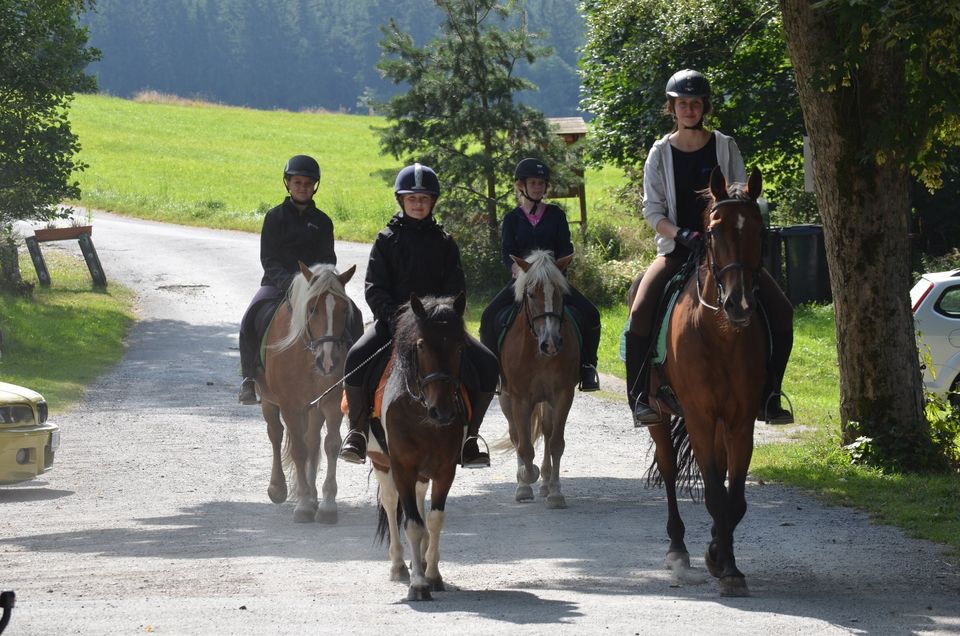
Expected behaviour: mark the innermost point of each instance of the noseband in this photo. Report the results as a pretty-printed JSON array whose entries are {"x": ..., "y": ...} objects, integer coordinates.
[
  {"x": 543, "y": 316},
  {"x": 720, "y": 271},
  {"x": 313, "y": 344},
  {"x": 424, "y": 380}
]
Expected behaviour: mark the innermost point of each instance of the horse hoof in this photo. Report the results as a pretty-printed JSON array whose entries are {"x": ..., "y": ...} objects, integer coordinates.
[
  {"x": 303, "y": 515},
  {"x": 528, "y": 476},
  {"x": 277, "y": 494},
  {"x": 677, "y": 561},
  {"x": 734, "y": 586},
  {"x": 711, "y": 564},
  {"x": 400, "y": 574},
  {"x": 436, "y": 585},
  {"x": 556, "y": 502},
  {"x": 524, "y": 493},
  {"x": 544, "y": 490},
  {"x": 419, "y": 593},
  {"x": 327, "y": 517}
]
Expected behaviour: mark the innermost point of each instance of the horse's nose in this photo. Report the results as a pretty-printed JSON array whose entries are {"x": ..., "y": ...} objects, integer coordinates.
[{"x": 441, "y": 416}]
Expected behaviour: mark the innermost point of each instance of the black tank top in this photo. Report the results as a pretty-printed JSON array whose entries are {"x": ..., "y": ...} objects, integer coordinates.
[{"x": 691, "y": 173}]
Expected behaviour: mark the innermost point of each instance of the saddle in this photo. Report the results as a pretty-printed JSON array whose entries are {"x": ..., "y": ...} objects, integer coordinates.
[
  {"x": 506, "y": 316},
  {"x": 262, "y": 321}
]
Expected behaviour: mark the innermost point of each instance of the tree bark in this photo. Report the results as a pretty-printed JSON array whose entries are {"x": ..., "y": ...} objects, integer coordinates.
[
  {"x": 865, "y": 205},
  {"x": 10, "y": 278}
]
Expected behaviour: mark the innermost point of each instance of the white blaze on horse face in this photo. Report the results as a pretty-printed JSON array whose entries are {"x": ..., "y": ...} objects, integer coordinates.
[
  {"x": 329, "y": 305},
  {"x": 551, "y": 324}
]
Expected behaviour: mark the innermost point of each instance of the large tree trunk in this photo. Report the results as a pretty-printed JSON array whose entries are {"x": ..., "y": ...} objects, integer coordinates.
[
  {"x": 864, "y": 202},
  {"x": 10, "y": 279}
]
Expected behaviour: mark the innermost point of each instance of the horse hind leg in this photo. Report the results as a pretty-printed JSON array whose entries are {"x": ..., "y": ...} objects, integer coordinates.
[
  {"x": 277, "y": 490},
  {"x": 389, "y": 498},
  {"x": 327, "y": 512}
]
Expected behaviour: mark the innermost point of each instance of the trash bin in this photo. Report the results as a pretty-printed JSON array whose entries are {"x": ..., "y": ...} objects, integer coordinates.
[
  {"x": 773, "y": 254},
  {"x": 805, "y": 258}
]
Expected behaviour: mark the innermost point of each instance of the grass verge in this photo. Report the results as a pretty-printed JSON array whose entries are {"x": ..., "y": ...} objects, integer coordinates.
[{"x": 66, "y": 335}]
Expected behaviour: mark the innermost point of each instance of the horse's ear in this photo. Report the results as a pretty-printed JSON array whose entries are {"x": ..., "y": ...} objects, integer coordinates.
[
  {"x": 522, "y": 264},
  {"x": 562, "y": 263},
  {"x": 417, "y": 306},
  {"x": 460, "y": 303},
  {"x": 347, "y": 275},
  {"x": 305, "y": 271},
  {"x": 755, "y": 183},
  {"x": 718, "y": 185}
]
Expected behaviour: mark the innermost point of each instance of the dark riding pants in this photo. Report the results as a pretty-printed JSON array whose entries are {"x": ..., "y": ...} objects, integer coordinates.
[{"x": 249, "y": 334}]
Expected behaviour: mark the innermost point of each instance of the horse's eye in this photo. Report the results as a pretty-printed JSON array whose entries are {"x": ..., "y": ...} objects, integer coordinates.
[{"x": 420, "y": 343}]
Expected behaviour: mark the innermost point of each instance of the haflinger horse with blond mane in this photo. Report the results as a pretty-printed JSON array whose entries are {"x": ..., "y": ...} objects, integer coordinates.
[
  {"x": 712, "y": 377},
  {"x": 416, "y": 443},
  {"x": 306, "y": 346},
  {"x": 539, "y": 363}
]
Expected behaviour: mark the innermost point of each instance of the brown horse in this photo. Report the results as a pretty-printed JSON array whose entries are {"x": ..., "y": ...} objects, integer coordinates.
[
  {"x": 715, "y": 364},
  {"x": 307, "y": 343},
  {"x": 540, "y": 363},
  {"x": 424, "y": 422}
]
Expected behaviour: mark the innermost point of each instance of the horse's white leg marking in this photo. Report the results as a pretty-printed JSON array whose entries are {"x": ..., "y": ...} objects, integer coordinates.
[
  {"x": 331, "y": 448},
  {"x": 388, "y": 499},
  {"x": 421, "y": 491},
  {"x": 434, "y": 528}
]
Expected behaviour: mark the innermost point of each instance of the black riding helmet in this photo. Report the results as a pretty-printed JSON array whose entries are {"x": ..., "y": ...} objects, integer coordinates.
[
  {"x": 417, "y": 179},
  {"x": 688, "y": 83},
  {"x": 302, "y": 165},
  {"x": 531, "y": 168}
]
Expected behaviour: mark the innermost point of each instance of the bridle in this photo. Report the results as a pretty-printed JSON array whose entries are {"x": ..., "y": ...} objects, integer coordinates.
[
  {"x": 424, "y": 380},
  {"x": 712, "y": 260},
  {"x": 313, "y": 344},
  {"x": 528, "y": 314}
]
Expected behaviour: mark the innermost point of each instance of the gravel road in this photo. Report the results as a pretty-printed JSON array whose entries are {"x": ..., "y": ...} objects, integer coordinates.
[{"x": 156, "y": 519}]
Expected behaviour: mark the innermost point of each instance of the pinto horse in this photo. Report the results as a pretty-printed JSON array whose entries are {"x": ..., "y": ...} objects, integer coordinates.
[
  {"x": 540, "y": 363},
  {"x": 307, "y": 343},
  {"x": 715, "y": 363},
  {"x": 424, "y": 418}
]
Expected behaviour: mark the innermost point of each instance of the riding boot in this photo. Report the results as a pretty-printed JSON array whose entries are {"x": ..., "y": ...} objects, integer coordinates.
[
  {"x": 248, "y": 391},
  {"x": 354, "y": 448},
  {"x": 771, "y": 411},
  {"x": 470, "y": 454},
  {"x": 589, "y": 378},
  {"x": 638, "y": 379}
]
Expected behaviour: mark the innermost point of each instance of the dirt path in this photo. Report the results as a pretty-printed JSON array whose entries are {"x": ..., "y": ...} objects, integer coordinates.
[{"x": 156, "y": 517}]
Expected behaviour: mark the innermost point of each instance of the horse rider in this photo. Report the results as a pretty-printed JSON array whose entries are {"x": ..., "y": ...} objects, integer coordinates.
[
  {"x": 677, "y": 169},
  {"x": 413, "y": 255},
  {"x": 293, "y": 231},
  {"x": 536, "y": 225}
]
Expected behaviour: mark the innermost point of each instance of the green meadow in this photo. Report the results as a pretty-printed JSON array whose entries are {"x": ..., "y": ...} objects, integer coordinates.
[{"x": 221, "y": 166}]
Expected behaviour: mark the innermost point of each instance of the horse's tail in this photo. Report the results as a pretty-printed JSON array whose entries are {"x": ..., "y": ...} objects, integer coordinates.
[
  {"x": 289, "y": 469},
  {"x": 536, "y": 421},
  {"x": 383, "y": 522},
  {"x": 688, "y": 474}
]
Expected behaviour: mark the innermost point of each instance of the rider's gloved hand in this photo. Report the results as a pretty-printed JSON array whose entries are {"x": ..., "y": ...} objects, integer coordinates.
[{"x": 690, "y": 239}]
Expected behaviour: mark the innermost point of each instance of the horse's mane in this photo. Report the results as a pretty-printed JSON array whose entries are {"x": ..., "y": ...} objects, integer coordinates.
[
  {"x": 542, "y": 270},
  {"x": 441, "y": 320},
  {"x": 301, "y": 294}
]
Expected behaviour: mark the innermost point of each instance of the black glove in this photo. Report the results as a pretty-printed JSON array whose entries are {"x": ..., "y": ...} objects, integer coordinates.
[{"x": 690, "y": 239}]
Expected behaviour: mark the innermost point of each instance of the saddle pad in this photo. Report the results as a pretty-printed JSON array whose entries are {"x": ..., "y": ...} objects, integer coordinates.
[{"x": 660, "y": 351}]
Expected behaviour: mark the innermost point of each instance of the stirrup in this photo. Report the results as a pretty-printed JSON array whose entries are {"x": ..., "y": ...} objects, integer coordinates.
[
  {"x": 591, "y": 383},
  {"x": 645, "y": 418},
  {"x": 784, "y": 416},
  {"x": 354, "y": 454},
  {"x": 483, "y": 457}
]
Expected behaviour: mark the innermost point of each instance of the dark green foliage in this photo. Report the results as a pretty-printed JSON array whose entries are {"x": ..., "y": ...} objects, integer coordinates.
[
  {"x": 42, "y": 56},
  {"x": 297, "y": 54},
  {"x": 459, "y": 114}
]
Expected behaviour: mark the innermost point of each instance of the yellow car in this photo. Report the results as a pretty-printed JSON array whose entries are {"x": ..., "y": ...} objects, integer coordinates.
[{"x": 27, "y": 442}]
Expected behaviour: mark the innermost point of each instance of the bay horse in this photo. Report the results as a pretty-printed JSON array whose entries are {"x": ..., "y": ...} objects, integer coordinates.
[
  {"x": 423, "y": 420},
  {"x": 716, "y": 352},
  {"x": 307, "y": 343},
  {"x": 539, "y": 363}
]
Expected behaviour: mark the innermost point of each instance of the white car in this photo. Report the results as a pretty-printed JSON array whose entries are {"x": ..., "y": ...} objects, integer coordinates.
[{"x": 936, "y": 314}]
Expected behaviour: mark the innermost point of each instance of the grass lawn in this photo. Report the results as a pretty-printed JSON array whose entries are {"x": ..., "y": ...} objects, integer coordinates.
[{"x": 66, "y": 335}]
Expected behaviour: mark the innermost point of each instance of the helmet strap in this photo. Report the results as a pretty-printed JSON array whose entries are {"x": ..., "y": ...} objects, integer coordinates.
[{"x": 526, "y": 196}]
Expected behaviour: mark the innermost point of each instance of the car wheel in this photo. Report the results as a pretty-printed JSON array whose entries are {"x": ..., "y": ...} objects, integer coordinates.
[{"x": 954, "y": 396}]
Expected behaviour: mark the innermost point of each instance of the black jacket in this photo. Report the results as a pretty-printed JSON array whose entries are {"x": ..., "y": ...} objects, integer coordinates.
[
  {"x": 411, "y": 256},
  {"x": 519, "y": 238},
  {"x": 290, "y": 235}
]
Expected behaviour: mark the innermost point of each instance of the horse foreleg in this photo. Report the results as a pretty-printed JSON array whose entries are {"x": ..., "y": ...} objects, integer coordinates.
[
  {"x": 739, "y": 451},
  {"x": 306, "y": 507},
  {"x": 388, "y": 501},
  {"x": 544, "y": 413},
  {"x": 527, "y": 472},
  {"x": 277, "y": 491},
  {"x": 411, "y": 498},
  {"x": 678, "y": 558},
  {"x": 442, "y": 482},
  {"x": 327, "y": 512},
  {"x": 555, "y": 421}
]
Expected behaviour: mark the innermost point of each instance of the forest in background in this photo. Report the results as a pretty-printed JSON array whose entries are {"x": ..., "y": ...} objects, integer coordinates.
[{"x": 297, "y": 54}]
